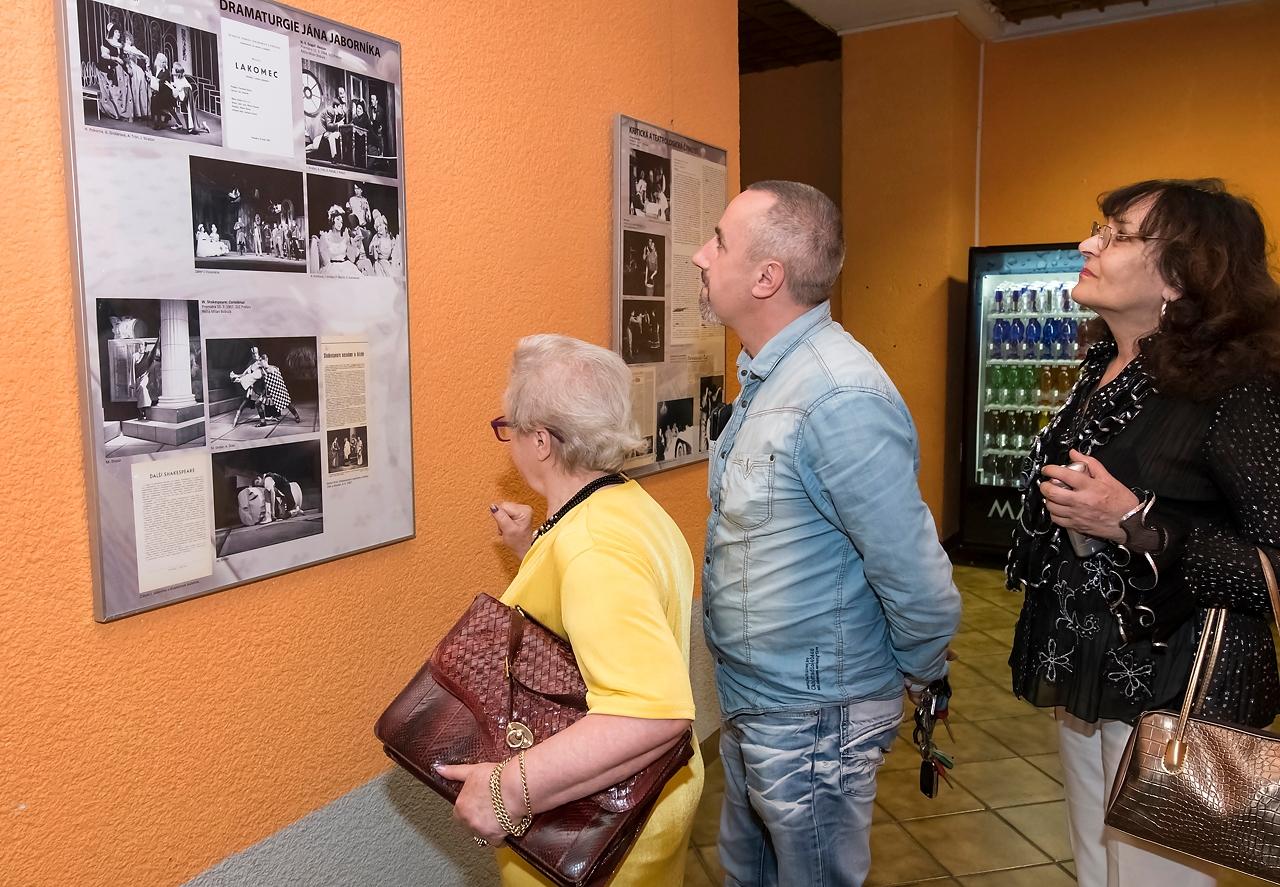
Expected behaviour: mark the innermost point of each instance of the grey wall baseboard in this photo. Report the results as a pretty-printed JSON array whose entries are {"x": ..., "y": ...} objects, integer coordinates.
[{"x": 395, "y": 832}]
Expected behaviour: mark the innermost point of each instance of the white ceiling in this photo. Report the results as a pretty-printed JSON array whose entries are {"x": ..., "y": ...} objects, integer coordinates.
[{"x": 980, "y": 17}]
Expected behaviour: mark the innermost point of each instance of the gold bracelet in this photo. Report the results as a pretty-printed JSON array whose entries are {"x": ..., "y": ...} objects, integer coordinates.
[
  {"x": 524, "y": 787},
  {"x": 500, "y": 808}
]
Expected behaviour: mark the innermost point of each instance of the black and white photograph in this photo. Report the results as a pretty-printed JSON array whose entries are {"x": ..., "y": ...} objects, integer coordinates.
[
  {"x": 353, "y": 228},
  {"x": 264, "y": 387},
  {"x": 650, "y": 189},
  {"x": 142, "y": 74},
  {"x": 266, "y": 495},
  {"x": 710, "y": 396},
  {"x": 152, "y": 389},
  {"x": 676, "y": 434},
  {"x": 348, "y": 450},
  {"x": 350, "y": 120},
  {"x": 643, "y": 331},
  {"x": 645, "y": 448},
  {"x": 644, "y": 264},
  {"x": 246, "y": 218}
]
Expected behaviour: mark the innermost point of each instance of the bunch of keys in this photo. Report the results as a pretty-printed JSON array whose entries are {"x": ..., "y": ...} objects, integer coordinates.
[{"x": 934, "y": 764}]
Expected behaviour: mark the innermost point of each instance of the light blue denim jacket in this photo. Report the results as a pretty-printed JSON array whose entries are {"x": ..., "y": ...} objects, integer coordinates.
[{"x": 823, "y": 581}]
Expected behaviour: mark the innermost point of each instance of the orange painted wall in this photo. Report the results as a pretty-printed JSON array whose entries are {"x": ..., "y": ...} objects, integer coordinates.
[
  {"x": 910, "y": 137},
  {"x": 1071, "y": 115},
  {"x": 144, "y": 751},
  {"x": 791, "y": 130}
]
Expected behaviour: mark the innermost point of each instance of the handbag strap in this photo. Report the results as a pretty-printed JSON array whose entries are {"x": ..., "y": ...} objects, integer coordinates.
[
  {"x": 1269, "y": 573},
  {"x": 1206, "y": 657}
]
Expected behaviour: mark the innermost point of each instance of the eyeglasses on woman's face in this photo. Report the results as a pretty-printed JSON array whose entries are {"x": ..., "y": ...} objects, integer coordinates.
[
  {"x": 1108, "y": 235},
  {"x": 502, "y": 430}
]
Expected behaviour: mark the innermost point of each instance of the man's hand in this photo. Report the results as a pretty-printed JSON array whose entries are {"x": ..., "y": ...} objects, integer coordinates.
[
  {"x": 915, "y": 689},
  {"x": 515, "y": 525}
]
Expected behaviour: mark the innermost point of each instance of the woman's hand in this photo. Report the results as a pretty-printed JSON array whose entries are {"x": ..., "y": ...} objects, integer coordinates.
[
  {"x": 515, "y": 525},
  {"x": 1091, "y": 502},
  {"x": 474, "y": 807}
]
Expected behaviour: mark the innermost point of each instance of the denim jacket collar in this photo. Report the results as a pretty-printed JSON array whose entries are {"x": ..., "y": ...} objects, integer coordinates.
[{"x": 782, "y": 344}]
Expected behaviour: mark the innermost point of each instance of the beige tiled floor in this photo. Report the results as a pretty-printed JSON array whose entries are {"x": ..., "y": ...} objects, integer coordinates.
[{"x": 1003, "y": 823}]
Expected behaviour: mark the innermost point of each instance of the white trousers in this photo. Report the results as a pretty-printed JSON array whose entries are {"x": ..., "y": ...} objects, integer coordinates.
[{"x": 1090, "y": 755}]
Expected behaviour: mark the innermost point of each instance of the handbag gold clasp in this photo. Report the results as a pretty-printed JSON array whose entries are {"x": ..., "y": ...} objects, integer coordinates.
[
  {"x": 1175, "y": 752},
  {"x": 519, "y": 736}
]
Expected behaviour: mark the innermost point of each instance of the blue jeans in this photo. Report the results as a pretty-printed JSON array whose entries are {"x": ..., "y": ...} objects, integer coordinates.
[{"x": 798, "y": 794}]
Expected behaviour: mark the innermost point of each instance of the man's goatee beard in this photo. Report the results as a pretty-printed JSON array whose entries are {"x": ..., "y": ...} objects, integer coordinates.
[{"x": 707, "y": 313}]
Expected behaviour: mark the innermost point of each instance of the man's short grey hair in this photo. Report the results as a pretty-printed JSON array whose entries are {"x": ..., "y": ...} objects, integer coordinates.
[
  {"x": 802, "y": 230},
  {"x": 579, "y": 390}
]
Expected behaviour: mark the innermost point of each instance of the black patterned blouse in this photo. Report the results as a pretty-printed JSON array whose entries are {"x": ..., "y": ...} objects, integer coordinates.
[{"x": 1214, "y": 469}]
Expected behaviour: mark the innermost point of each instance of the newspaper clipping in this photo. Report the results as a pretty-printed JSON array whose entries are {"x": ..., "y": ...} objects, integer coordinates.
[
  {"x": 346, "y": 376},
  {"x": 670, "y": 195}
]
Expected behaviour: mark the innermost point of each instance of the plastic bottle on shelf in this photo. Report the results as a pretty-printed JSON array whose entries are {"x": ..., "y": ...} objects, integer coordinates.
[
  {"x": 1003, "y": 424},
  {"x": 1032, "y": 375},
  {"x": 1013, "y": 342},
  {"x": 1067, "y": 339},
  {"x": 1064, "y": 378},
  {"x": 1030, "y": 298},
  {"x": 1031, "y": 340},
  {"x": 990, "y": 468},
  {"x": 1082, "y": 341},
  {"x": 1048, "y": 338},
  {"x": 1048, "y": 386},
  {"x": 998, "y": 329},
  {"x": 1065, "y": 304},
  {"x": 1018, "y": 392},
  {"x": 1013, "y": 299},
  {"x": 997, "y": 300},
  {"x": 1011, "y": 469}
]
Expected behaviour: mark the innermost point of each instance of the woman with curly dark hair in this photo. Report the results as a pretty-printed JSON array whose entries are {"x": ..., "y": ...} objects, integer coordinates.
[{"x": 1174, "y": 426}]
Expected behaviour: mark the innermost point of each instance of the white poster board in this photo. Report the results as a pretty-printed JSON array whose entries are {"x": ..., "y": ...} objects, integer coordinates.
[
  {"x": 236, "y": 193},
  {"x": 669, "y": 195}
]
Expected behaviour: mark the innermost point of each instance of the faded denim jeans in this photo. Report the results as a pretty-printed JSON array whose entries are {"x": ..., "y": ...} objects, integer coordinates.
[{"x": 799, "y": 787}]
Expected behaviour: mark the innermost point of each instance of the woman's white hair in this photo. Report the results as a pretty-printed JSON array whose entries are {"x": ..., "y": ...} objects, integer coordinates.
[{"x": 579, "y": 390}]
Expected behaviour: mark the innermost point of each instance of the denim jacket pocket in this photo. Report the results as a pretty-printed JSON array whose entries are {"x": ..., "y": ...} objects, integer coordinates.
[{"x": 746, "y": 491}]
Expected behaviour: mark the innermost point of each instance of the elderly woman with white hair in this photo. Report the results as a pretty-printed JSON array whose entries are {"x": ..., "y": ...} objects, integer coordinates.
[{"x": 609, "y": 571}]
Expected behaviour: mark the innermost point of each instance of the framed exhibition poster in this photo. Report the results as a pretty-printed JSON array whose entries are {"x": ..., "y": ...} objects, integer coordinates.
[
  {"x": 236, "y": 189},
  {"x": 669, "y": 195}
]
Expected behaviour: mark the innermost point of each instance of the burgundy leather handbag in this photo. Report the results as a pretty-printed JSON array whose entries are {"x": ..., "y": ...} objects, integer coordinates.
[{"x": 498, "y": 682}]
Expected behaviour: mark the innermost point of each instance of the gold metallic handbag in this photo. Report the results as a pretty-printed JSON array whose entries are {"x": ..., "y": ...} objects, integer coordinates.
[{"x": 1207, "y": 789}]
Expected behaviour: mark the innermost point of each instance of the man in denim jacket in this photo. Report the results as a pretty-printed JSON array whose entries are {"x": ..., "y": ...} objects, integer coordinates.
[{"x": 824, "y": 587}]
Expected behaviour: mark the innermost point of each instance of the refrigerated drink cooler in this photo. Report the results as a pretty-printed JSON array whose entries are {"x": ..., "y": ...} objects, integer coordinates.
[{"x": 1025, "y": 342}]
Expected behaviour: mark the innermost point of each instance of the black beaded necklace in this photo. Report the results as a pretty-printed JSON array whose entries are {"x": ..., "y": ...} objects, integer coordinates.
[{"x": 577, "y": 499}]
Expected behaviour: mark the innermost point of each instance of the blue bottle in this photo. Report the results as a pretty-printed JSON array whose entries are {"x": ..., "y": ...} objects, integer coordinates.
[
  {"x": 997, "y": 301},
  {"x": 1048, "y": 338},
  {"x": 998, "y": 331},
  {"x": 1031, "y": 341},
  {"x": 1070, "y": 338},
  {"x": 1013, "y": 342},
  {"x": 1013, "y": 298}
]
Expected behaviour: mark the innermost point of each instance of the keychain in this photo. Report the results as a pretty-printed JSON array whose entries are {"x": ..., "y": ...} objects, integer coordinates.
[{"x": 934, "y": 706}]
